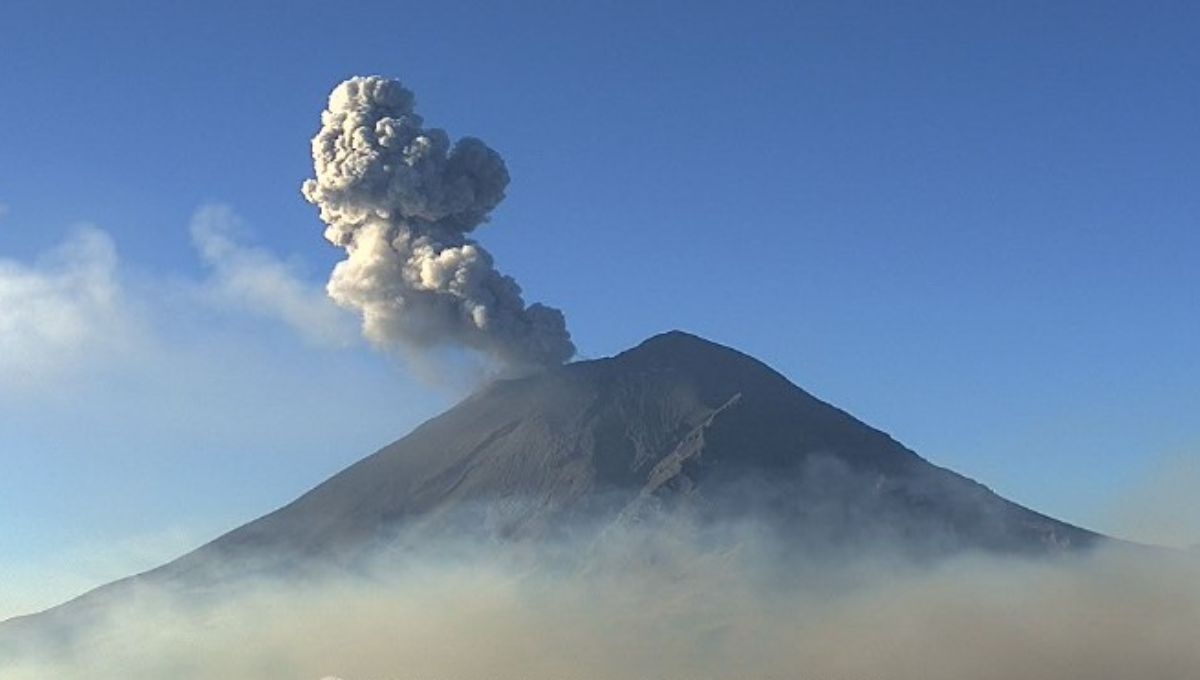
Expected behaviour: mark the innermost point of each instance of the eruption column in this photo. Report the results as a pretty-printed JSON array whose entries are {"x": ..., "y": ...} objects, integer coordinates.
[{"x": 402, "y": 201}]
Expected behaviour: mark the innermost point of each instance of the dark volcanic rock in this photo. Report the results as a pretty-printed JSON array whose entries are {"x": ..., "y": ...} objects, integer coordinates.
[{"x": 677, "y": 424}]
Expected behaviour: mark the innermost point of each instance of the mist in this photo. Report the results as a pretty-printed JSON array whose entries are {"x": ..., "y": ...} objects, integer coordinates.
[{"x": 651, "y": 602}]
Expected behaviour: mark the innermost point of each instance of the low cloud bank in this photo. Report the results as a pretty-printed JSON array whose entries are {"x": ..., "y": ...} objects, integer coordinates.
[{"x": 656, "y": 604}]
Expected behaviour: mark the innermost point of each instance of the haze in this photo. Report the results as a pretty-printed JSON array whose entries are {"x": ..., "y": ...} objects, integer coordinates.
[{"x": 242, "y": 248}]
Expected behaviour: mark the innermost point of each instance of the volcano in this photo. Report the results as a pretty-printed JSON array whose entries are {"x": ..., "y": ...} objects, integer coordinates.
[{"x": 677, "y": 425}]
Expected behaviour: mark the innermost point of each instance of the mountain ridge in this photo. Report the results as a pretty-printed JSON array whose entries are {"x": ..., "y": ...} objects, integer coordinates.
[{"x": 677, "y": 424}]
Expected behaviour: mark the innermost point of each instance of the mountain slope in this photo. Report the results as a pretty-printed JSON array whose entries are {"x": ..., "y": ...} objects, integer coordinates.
[
  {"x": 676, "y": 420},
  {"x": 675, "y": 425}
]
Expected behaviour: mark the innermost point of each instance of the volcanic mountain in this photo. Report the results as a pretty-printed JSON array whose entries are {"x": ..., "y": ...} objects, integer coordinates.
[
  {"x": 676, "y": 422},
  {"x": 676, "y": 425}
]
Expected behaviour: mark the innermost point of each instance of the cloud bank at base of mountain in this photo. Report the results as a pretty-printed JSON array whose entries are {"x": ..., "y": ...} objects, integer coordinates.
[{"x": 645, "y": 604}]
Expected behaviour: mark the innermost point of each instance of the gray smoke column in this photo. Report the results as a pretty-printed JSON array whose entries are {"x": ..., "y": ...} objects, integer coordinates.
[{"x": 402, "y": 200}]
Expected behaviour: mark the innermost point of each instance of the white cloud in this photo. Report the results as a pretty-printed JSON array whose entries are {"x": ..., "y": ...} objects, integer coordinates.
[
  {"x": 64, "y": 310},
  {"x": 135, "y": 400},
  {"x": 78, "y": 311},
  {"x": 256, "y": 281}
]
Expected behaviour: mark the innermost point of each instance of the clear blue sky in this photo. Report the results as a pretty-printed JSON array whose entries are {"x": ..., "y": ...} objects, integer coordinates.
[{"x": 973, "y": 225}]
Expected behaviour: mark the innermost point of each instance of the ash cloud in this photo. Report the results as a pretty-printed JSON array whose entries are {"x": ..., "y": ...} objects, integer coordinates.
[{"x": 402, "y": 200}]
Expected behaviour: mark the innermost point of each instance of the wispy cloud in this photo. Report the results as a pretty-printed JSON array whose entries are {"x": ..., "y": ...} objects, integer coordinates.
[
  {"x": 258, "y": 282},
  {"x": 70, "y": 311},
  {"x": 63, "y": 311},
  {"x": 102, "y": 366}
]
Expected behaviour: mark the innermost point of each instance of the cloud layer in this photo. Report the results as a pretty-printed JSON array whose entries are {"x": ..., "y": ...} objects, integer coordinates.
[{"x": 651, "y": 605}]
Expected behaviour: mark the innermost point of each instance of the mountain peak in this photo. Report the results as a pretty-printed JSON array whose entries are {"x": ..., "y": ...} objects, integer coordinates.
[
  {"x": 684, "y": 351},
  {"x": 675, "y": 341},
  {"x": 676, "y": 424},
  {"x": 677, "y": 420}
]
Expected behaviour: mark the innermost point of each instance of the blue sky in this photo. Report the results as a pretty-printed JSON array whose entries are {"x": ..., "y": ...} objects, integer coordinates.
[{"x": 972, "y": 225}]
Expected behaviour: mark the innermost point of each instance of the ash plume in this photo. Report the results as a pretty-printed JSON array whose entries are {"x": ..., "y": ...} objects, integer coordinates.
[{"x": 401, "y": 199}]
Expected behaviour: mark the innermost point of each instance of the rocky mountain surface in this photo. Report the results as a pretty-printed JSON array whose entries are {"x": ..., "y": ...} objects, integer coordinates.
[{"x": 675, "y": 426}]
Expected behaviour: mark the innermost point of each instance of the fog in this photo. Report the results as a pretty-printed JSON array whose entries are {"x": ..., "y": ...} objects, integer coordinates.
[{"x": 651, "y": 602}]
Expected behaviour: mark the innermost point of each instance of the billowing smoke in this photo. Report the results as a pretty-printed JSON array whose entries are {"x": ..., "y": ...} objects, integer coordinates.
[{"x": 402, "y": 200}]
